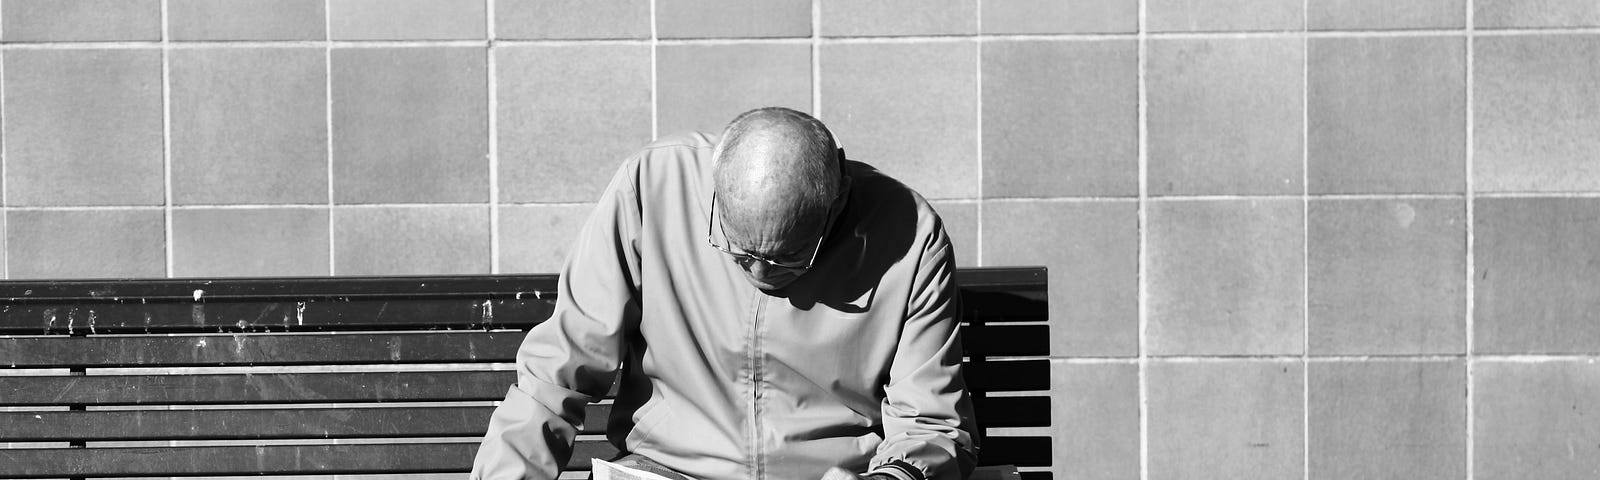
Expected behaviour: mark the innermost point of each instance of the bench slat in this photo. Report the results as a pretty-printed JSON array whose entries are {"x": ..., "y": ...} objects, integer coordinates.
[
  {"x": 1005, "y": 412},
  {"x": 358, "y": 387},
  {"x": 443, "y": 286},
  {"x": 390, "y": 422},
  {"x": 348, "y": 458},
  {"x": 1006, "y": 376},
  {"x": 256, "y": 424},
  {"x": 276, "y": 316},
  {"x": 1019, "y": 451},
  {"x": 324, "y": 304},
  {"x": 364, "y": 348},
  {"x": 268, "y": 460},
  {"x": 255, "y": 388},
  {"x": 286, "y": 288},
  {"x": 259, "y": 349}
]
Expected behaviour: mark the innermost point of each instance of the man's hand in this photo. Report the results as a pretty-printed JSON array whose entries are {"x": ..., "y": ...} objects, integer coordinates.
[{"x": 837, "y": 473}]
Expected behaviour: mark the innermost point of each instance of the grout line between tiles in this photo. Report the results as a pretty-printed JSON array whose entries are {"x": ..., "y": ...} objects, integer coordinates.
[
  {"x": 1143, "y": 267},
  {"x": 1305, "y": 243},
  {"x": 655, "y": 102},
  {"x": 816, "y": 61},
  {"x": 1586, "y": 195},
  {"x": 1471, "y": 266},
  {"x": 327, "y": 60},
  {"x": 963, "y": 201},
  {"x": 285, "y": 206},
  {"x": 656, "y": 40},
  {"x": 492, "y": 73},
  {"x": 977, "y": 66},
  {"x": 5, "y": 204},
  {"x": 1339, "y": 358},
  {"x": 166, "y": 140}
]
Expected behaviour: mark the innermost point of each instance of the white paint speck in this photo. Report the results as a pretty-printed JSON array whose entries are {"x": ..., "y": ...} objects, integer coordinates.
[
  {"x": 1405, "y": 214},
  {"x": 198, "y": 293}
]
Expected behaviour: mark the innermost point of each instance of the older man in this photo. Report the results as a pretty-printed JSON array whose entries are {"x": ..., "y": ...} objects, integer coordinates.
[{"x": 776, "y": 311}]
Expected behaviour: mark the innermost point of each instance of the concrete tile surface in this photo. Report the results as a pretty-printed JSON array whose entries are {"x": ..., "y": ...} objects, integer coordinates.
[
  {"x": 83, "y": 127},
  {"x": 1226, "y": 277},
  {"x": 411, "y": 240},
  {"x": 1060, "y": 118},
  {"x": 254, "y": 242},
  {"x": 249, "y": 125},
  {"x": 568, "y": 116},
  {"x": 1225, "y": 116},
  {"x": 410, "y": 125}
]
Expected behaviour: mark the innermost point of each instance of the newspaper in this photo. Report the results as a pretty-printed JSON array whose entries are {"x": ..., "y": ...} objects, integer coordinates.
[{"x": 604, "y": 470}]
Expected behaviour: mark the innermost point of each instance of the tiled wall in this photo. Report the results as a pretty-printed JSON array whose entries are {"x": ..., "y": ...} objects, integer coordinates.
[{"x": 1321, "y": 239}]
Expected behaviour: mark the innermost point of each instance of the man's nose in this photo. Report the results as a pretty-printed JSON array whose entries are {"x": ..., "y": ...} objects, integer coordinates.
[{"x": 760, "y": 269}]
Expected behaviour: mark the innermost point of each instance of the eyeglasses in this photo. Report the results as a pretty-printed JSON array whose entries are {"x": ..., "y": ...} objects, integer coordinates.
[{"x": 745, "y": 257}]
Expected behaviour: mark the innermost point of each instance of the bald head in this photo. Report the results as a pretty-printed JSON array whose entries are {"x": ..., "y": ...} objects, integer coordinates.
[{"x": 777, "y": 173}]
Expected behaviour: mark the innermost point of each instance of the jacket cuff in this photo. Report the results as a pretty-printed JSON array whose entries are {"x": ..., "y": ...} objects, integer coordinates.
[{"x": 900, "y": 470}]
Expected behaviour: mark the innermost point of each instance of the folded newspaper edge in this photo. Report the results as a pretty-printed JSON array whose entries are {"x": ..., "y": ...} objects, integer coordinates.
[{"x": 604, "y": 470}]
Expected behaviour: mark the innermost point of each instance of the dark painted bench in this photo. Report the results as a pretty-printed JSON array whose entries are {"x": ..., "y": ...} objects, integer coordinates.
[{"x": 392, "y": 375}]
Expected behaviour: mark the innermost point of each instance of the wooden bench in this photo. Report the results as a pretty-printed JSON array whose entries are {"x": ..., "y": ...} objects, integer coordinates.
[{"x": 390, "y": 376}]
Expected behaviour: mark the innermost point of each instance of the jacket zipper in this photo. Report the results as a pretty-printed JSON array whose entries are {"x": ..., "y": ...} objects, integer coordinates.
[{"x": 757, "y": 445}]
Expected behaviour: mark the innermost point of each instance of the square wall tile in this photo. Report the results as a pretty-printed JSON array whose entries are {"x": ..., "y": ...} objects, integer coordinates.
[
  {"x": 1535, "y": 13},
  {"x": 1224, "y": 15},
  {"x": 848, "y": 18},
  {"x": 1388, "y": 277},
  {"x": 83, "y": 127},
  {"x": 1092, "y": 251},
  {"x": 247, "y": 19},
  {"x": 1385, "y": 14},
  {"x": 908, "y": 108},
  {"x": 1537, "y": 274},
  {"x": 568, "y": 115},
  {"x": 702, "y": 87},
  {"x": 86, "y": 243},
  {"x": 1387, "y": 115},
  {"x": 537, "y": 238},
  {"x": 411, "y": 240},
  {"x": 1536, "y": 420},
  {"x": 1225, "y": 115},
  {"x": 1059, "y": 16},
  {"x": 80, "y": 20},
  {"x": 1230, "y": 419},
  {"x": 407, "y": 20},
  {"x": 253, "y": 242},
  {"x": 1095, "y": 420},
  {"x": 410, "y": 125},
  {"x": 1388, "y": 419},
  {"x": 1226, "y": 277},
  {"x": 732, "y": 18},
  {"x": 550, "y": 19},
  {"x": 961, "y": 223},
  {"x": 1060, "y": 118},
  {"x": 249, "y": 125},
  {"x": 1536, "y": 113}
]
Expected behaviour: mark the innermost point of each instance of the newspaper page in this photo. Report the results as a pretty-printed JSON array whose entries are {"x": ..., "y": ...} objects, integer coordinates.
[{"x": 604, "y": 470}]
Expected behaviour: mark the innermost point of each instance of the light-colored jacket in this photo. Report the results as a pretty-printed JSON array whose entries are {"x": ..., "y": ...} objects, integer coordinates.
[{"x": 855, "y": 364}]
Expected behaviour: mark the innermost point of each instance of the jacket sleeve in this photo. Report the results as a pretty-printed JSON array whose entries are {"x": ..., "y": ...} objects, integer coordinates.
[
  {"x": 928, "y": 425},
  {"x": 570, "y": 359}
]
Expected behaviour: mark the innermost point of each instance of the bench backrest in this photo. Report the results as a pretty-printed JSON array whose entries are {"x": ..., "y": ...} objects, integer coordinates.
[{"x": 391, "y": 375}]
